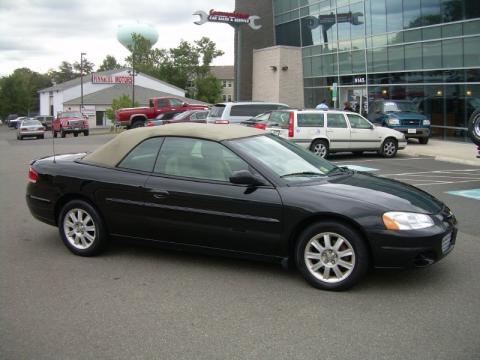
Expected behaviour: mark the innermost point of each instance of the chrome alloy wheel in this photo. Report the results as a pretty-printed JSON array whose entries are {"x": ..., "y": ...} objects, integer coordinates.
[
  {"x": 79, "y": 228},
  {"x": 329, "y": 257},
  {"x": 389, "y": 148},
  {"x": 320, "y": 149}
]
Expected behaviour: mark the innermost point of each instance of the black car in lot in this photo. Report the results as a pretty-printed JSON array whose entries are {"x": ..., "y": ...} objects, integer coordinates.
[{"x": 238, "y": 191}]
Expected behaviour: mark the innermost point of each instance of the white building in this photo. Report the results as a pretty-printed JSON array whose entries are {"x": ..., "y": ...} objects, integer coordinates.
[{"x": 100, "y": 89}]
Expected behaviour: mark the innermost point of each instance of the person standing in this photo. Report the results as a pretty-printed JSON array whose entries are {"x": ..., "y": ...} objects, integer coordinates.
[
  {"x": 347, "y": 106},
  {"x": 322, "y": 106}
]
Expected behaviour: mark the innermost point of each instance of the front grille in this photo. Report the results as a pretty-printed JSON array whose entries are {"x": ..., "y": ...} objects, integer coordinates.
[
  {"x": 410, "y": 122},
  {"x": 447, "y": 243},
  {"x": 78, "y": 123}
]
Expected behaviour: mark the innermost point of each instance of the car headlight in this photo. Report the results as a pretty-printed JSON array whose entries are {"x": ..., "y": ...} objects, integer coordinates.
[
  {"x": 395, "y": 220},
  {"x": 426, "y": 122},
  {"x": 393, "y": 121}
]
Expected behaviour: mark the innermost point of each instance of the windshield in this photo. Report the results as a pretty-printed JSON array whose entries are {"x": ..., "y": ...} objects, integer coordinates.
[
  {"x": 398, "y": 106},
  {"x": 72, "y": 114},
  {"x": 216, "y": 111},
  {"x": 31, "y": 122},
  {"x": 287, "y": 160}
]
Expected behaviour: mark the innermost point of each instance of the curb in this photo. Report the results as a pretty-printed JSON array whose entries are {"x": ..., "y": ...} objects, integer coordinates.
[{"x": 448, "y": 159}]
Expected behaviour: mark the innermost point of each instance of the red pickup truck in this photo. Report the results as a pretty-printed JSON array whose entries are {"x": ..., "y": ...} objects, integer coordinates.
[
  {"x": 137, "y": 117},
  {"x": 70, "y": 122}
]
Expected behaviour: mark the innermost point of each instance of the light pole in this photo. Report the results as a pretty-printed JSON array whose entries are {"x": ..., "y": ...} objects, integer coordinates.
[{"x": 81, "y": 81}]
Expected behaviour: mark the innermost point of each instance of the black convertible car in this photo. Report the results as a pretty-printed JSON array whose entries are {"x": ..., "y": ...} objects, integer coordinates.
[{"x": 238, "y": 191}]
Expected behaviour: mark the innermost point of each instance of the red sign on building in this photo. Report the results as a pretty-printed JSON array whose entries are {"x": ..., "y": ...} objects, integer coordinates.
[{"x": 112, "y": 79}]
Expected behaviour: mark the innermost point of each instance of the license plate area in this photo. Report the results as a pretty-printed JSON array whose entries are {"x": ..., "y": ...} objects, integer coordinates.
[{"x": 412, "y": 131}]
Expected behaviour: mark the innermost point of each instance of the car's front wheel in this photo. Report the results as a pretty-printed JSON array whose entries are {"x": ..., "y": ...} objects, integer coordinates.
[
  {"x": 319, "y": 148},
  {"x": 389, "y": 148},
  {"x": 331, "y": 255},
  {"x": 81, "y": 228},
  {"x": 62, "y": 133},
  {"x": 474, "y": 127},
  {"x": 423, "y": 140}
]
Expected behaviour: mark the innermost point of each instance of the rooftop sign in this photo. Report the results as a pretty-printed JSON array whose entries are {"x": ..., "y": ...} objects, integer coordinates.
[
  {"x": 112, "y": 79},
  {"x": 232, "y": 18}
]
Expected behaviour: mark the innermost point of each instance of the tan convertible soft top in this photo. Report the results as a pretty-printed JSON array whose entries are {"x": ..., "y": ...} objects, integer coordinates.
[{"x": 115, "y": 150}]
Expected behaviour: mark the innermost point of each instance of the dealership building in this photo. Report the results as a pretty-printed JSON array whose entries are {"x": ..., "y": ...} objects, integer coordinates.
[
  {"x": 100, "y": 89},
  {"x": 426, "y": 51}
]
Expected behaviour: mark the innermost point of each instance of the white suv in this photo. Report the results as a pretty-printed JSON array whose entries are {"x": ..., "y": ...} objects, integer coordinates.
[
  {"x": 325, "y": 132},
  {"x": 236, "y": 112}
]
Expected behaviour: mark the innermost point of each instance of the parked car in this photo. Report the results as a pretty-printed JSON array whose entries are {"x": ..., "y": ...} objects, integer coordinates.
[
  {"x": 259, "y": 121},
  {"x": 13, "y": 123},
  {"x": 9, "y": 118},
  {"x": 30, "y": 127},
  {"x": 236, "y": 112},
  {"x": 138, "y": 117},
  {"x": 239, "y": 191},
  {"x": 46, "y": 121},
  {"x": 400, "y": 115},
  {"x": 197, "y": 116},
  {"x": 70, "y": 122},
  {"x": 474, "y": 128},
  {"x": 325, "y": 132}
]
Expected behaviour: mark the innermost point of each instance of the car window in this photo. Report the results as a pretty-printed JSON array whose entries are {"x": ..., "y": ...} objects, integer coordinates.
[
  {"x": 253, "y": 109},
  {"x": 143, "y": 156},
  {"x": 217, "y": 111},
  {"x": 199, "y": 115},
  {"x": 358, "y": 122},
  {"x": 176, "y": 102},
  {"x": 310, "y": 120},
  {"x": 197, "y": 158},
  {"x": 263, "y": 117},
  {"x": 163, "y": 103},
  {"x": 280, "y": 119},
  {"x": 336, "y": 121},
  {"x": 31, "y": 122}
]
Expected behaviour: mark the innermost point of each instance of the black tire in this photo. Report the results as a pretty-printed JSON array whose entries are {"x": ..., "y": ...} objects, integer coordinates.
[
  {"x": 54, "y": 134},
  {"x": 85, "y": 247},
  {"x": 423, "y": 140},
  {"x": 137, "y": 124},
  {"x": 20, "y": 137},
  {"x": 42, "y": 136},
  {"x": 351, "y": 241},
  {"x": 86, "y": 133},
  {"x": 389, "y": 148},
  {"x": 75, "y": 134},
  {"x": 474, "y": 127},
  {"x": 62, "y": 133},
  {"x": 320, "y": 148}
]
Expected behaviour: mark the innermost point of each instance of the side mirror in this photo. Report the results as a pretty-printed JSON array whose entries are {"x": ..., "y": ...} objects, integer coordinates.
[
  {"x": 184, "y": 104},
  {"x": 244, "y": 177}
]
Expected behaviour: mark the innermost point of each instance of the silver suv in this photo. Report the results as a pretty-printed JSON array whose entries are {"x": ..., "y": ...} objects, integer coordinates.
[{"x": 236, "y": 112}]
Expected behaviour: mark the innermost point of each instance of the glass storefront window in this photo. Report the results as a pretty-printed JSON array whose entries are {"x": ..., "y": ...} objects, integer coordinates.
[
  {"x": 450, "y": 50},
  {"x": 281, "y": 6},
  {"x": 431, "y": 12},
  {"x": 433, "y": 76},
  {"x": 471, "y": 27},
  {"x": 378, "y": 17},
  {"x": 380, "y": 59},
  {"x": 412, "y": 35},
  {"x": 345, "y": 62},
  {"x": 451, "y": 30},
  {"x": 358, "y": 43},
  {"x": 395, "y": 38},
  {"x": 307, "y": 66},
  {"x": 379, "y": 40},
  {"x": 394, "y": 15},
  {"x": 472, "y": 10},
  {"x": 452, "y": 10},
  {"x": 432, "y": 55},
  {"x": 396, "y": 58},
  {"x": 359, "y": 29},
  {"x": 471, "y": 55},
  {"x": 431, "y": 33},
  {"x": 411, "y": 13},
  {"x": 413, "y": 56},
  {"x": 288, "y": 33},
  {"x": 358, "y": 61},
  {"x": 317, "y": 66},
  {"x": 450, "y": 76}
]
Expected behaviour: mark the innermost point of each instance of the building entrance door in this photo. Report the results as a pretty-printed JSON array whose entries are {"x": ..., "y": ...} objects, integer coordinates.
[
  {"x": 99, "y": 118},
  {"x": 357, "y": 96}
]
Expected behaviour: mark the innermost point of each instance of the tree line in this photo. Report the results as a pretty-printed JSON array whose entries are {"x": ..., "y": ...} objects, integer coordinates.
[{"x": 186, "y": 66}]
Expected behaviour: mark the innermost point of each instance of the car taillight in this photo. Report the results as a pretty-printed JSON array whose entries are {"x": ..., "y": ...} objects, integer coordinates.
[
  {"x": 222, "y": 122},
  {"x": 32, "y": 175},
  {"x": 291, "y": 125},
  {"x": 261, "y": 126},
  {"x": 41, "y": 128},
  {"x": 150, "y": 123},
  {"x": 23, "y": 129}
]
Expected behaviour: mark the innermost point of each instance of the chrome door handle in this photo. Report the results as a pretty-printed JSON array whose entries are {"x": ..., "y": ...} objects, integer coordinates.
[{"x": 160, "y": 194}]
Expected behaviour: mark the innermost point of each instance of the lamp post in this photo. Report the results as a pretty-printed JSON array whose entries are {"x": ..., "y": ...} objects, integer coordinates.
[{"x": 81, "y": 81}]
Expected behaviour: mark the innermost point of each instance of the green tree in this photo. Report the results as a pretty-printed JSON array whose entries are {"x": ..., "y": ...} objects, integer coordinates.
[
  {"x": 87, "y": 67},
  {"x": 19, "y": 91},
  {"x": 64, "y": 73},
  {"x": 123, "y": 101},
  {"x": 208, "y": 89},
  {"x": 109, "y": 63}
]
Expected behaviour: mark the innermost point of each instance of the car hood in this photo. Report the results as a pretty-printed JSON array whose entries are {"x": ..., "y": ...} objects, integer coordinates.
[
  {"x": 407, "y": 115},
  {"x": 389, "y": 194}
]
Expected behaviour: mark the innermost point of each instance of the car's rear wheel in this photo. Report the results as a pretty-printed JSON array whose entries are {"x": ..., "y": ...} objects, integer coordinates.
[
  {"x": 81, "y": 228},
  {"x": 319, "y": 148},
  {"x": 389, "y": 148},
  {"x": 75, "y": 134},
  {"x": 423, "y": 140},
  {"x": 54, "y": 134},
  {"x": 62, "y": 133},
  {"x": 86, "y": 133},
  {"x": 474, "y": 127},
  {"x": 331, "y": 255}
]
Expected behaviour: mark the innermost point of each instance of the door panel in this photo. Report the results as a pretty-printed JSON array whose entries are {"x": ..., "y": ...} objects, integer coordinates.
[
  {"x": 363, "y": 136},
  {"x": 338, "y": 131}
]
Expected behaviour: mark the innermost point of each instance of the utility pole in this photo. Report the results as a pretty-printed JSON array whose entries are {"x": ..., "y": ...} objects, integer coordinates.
[{"x": 81, "y": 81}]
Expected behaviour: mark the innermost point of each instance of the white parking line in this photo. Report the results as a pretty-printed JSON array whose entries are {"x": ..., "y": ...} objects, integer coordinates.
[{"x": 371, "y": 160}]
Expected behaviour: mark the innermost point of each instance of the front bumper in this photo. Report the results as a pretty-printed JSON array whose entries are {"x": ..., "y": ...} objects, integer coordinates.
[
  {"x": 408, "y": 132},
  {"x": 412, "y": 248}
]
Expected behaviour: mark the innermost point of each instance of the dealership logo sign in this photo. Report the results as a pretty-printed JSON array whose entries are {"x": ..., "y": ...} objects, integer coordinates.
[
  {"x": 112, "y": 79},
  {"x": 231, "y": 18}
]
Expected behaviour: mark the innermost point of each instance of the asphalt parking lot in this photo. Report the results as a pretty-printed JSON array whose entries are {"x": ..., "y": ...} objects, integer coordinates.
[{"x": 143, "y": 302}]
